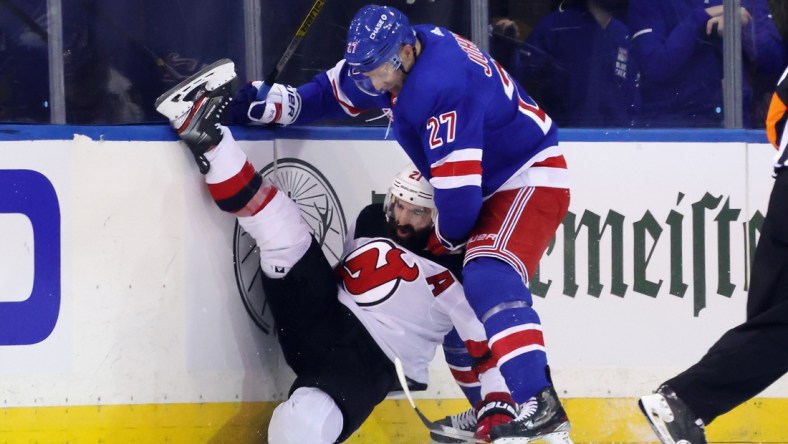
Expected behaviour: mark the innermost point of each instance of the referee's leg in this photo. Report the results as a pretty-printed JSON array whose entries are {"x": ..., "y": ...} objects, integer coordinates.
[{"x": 751, "y": 356}]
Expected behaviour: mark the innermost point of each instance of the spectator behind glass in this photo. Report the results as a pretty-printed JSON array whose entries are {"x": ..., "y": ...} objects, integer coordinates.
[
  {"x": 155, "y": 45},
  {"x": 762, "y": 80},
  {"x": 576, "y": 63},
  {"x": 95, "y": 91},
  {"x": 117, "y": 57},
  {"x": 678, "y": 47}
]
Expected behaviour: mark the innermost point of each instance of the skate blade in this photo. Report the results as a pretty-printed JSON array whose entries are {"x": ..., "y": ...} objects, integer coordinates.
[
  {"x": 223, "y": 69},
  {"x": 550, "y": 438},
  {"x": 456, "y": 441},
  {"x": 649, "y": 405},
  {"x": 556, "y": 438}
]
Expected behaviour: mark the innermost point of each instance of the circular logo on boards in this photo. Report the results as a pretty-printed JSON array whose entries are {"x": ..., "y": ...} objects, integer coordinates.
[{"x": 320, "y": 209}]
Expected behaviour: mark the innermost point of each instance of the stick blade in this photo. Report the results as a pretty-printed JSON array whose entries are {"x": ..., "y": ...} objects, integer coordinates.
[
  {"x": 438, "y": 429},
  {"x": 403, "y": 382}
]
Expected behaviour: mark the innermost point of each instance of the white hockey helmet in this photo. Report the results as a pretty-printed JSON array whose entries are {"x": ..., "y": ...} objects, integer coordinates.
[{"x": 409, "y": 185}]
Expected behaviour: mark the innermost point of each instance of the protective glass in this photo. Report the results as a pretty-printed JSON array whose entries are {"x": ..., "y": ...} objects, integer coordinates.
[{"x": 383, "y": 75}]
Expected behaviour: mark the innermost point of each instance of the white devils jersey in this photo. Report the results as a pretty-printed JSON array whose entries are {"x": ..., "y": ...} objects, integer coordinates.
[{"x": 406, "y": 302}]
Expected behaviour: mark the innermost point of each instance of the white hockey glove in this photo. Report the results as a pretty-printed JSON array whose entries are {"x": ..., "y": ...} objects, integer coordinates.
[{"x": 282, "y": 105}]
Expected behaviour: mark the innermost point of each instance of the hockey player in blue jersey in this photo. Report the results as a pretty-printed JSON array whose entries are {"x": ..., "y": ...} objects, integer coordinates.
[
  {"x": 339, "y": 329},
  {"x": 500, "y": 178}
]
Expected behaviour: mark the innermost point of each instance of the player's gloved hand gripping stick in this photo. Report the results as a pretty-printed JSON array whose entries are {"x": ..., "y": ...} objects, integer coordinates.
[
  {"x": 262, "y": 92},
  {"x": 268, "y": 102}
]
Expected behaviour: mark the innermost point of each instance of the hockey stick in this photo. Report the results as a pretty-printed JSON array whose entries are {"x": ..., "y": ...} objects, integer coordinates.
[
  {"x": 438, "y": 429},
  {"x": 262, "y": 93}
]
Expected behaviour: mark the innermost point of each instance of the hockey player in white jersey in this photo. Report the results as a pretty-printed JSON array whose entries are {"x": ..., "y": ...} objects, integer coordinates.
[
  {"x": 501, "y": 181},
  {"x": 341, "y": 329},
  {"x": 408, "y": 218}
]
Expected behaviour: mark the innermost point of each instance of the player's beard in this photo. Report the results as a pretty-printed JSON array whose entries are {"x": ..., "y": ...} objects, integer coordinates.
[{"x": 416, "y": 241}]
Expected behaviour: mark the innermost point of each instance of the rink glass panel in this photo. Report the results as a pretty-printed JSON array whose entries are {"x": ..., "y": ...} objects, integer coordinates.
[{"x": 105, "y": 62}]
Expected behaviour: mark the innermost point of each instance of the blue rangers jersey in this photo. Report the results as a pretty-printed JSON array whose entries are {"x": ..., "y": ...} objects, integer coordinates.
[{"x": 467, "y": 125}]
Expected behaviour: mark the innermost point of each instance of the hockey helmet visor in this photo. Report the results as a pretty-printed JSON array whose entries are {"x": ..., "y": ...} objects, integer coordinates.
[{"x": 365, "y": 81}]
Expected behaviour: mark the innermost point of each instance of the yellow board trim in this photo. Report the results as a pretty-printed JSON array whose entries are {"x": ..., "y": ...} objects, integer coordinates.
[{"x": 594, "y": 420}]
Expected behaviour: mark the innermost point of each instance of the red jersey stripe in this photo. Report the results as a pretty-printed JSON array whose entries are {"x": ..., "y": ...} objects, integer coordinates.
[
  {"x": 519, "y": 339},
  {"x": 460, "y": 168},
  {"x": 231, "y": 186},
  {"x": 464, "y": 376},
  {"x": 347, "y": 106},
  {"x": 554, "y": 162}
]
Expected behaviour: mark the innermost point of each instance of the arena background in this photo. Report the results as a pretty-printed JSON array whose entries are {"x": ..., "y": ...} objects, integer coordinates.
[{"x": 125, "y": 300}]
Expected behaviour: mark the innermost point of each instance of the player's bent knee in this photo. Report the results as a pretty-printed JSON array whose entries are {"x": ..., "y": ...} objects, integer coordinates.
[
  {"x": 281, "y": 235},
  {"x": 308, "y": 416},
  {"x": 489, "y": 282}
]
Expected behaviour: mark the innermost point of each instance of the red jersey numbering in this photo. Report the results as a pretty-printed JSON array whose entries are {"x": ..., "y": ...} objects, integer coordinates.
[
  {"x": 440, "y": 282},
  {"x": 372, "y": 273}
]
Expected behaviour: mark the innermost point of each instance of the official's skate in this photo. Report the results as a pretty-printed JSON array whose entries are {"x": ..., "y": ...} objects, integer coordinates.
[
  {"x": 195, "y": 107},
  {"x": 541, "y": 418},
  {"x": 671, "y": 419},
  {"x": 463, "y": 421}
]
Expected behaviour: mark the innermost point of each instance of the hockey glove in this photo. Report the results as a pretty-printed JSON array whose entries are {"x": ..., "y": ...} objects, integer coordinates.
[
  {"x": 281, "y": 107},
  {"x": 439, "y": 245},
  {"x": 496, "y": 408},
  {"x": 435, "y": 246}
]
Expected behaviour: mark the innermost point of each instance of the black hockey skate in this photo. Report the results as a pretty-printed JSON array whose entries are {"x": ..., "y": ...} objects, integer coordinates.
[
  {"x": 541, "y": 418},
  {"x": 195, "y": 107},
  {"x": 671, "y": 419},
  {"x": 463, "y": 421}
]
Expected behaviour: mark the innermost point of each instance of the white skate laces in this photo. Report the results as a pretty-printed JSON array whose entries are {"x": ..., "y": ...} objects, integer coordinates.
[
  {"x": 540, "y": 418},
  {"x": 671, "y": 419},
  {"x": 464, "y": 421}
]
